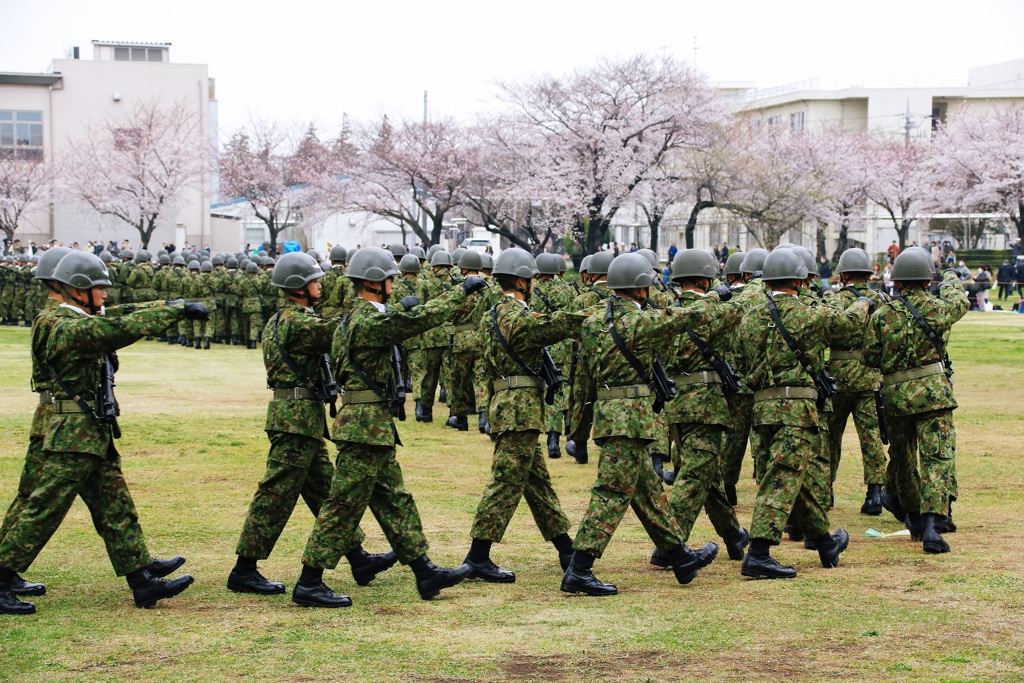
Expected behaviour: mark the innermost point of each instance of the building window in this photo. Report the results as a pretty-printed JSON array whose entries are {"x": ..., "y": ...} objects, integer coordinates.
[
  {"x": 796, "y": 121},
  {"x": 774, "y": 121},
  {"x": 138, "y": 54},
  {"x": 21, "y": 134},
  {"x": 121, "y": 54}
]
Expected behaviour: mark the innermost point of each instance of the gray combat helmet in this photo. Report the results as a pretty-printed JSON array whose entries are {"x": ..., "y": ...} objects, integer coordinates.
[
  {"x": 561, "y": 265},
  {"x": 295, "y": 270},
  {"x": 809, "y": 260},
  {"x": 232, "y": 263},
  {"x": 314, "y": 253},
  {"x": 398, "y": 251},
  {"x": 409, "y": 264},
  {"x": 753, "y": 262},
  {"x": 163, "y": 259},
  {"x": 106, "y": 256},
  {"x": 784, "y": 264},
  {"x": 178, "y": 261},
  {"x": 628, "y": 271},
  {"x": 418, "y": 253},
  {"x": 601, "y": 261},
  {"x": 49, "y": 260},
  {"x": 338, "y": 253},
  {"x": 434, "y": 248},
  {"x": 372, "y": 264},
  {"x": 732, "y": 264},
  {"x": 547, "y": 264},
  {"x": 81, "y": 270},
  {"x": 193, "y": 265},
  {"x": 252, "y": 267},
  {"x": 651, "y": 257},
  {"x": 786, "y": 245},
  {"x": 127, "y": 255},
  {"x": 912, "y": 264},
  {"x": 441, "y": 258},
  {"x": 516, "y": 262},
  {"x": 488, "y": 261},
  {"x": 206, "y": 267},
  {"x": 854, "y": 260},
  {"x": 694, "y": 263},
  {"x": 585, "y": 263},
  {"x": 142, "y": 256},
  {"x": 457, "y": 254},
  {"x": 217, "y": 260},
  {"x": 470, "y": 260}
]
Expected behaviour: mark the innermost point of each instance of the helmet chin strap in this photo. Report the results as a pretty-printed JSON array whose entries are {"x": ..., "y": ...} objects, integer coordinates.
[
  {"x": 382, "y": 292},
  {"x": 309, "y": 298},
  {"x": 68, "y": 294}
]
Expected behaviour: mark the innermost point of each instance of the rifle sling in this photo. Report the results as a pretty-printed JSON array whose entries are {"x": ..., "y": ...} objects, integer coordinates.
[
  {"x": 508, "y": 349},
  {"x": 797, "y": 351},
  {"x": 627, "y": 354}
]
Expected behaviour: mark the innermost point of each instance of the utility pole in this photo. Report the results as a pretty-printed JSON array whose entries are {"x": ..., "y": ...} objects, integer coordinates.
[
  {"x": 907, "y": 125},
  {"x": 425, "y": 107}
]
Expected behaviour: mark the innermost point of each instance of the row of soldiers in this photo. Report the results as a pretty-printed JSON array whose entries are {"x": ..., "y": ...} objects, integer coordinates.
[{"x": 649, "y": 360}]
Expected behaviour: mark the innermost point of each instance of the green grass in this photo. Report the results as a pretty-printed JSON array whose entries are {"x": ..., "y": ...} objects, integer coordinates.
[{"x": 194, "y": 449}]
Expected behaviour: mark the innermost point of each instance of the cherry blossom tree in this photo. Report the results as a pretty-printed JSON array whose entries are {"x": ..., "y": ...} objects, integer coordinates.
[
  {"x": 898, "y": 180},
  {"x": 602, "y": 131},
  {"x": 24, "y": 183},
  {"x": 138, "y": 167},
  {"x": 414, "y": 174},
  {"x": 977, "y": 163},
  {"x": 284, "y": 182}
]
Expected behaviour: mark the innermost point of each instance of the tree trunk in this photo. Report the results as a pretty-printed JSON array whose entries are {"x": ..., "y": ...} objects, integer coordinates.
[
  {"x": 821, "y": 237},
  {"x": 595, "y": 236},
  {"x": 844, "y": 232},
  {"x": 691, "y": 222},
  {"x": 654, "y": 224}
]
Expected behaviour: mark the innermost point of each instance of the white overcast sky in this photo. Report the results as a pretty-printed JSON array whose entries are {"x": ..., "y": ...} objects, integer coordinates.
[{"x": 302, "y": 60}]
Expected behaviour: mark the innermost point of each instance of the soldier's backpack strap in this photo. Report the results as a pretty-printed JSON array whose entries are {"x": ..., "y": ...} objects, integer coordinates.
[{"x": 935, "y": 339}]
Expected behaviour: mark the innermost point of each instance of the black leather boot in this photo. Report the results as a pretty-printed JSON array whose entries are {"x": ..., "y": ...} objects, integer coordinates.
[
  {"x": 893, "y": 506},
  {"x": 251, "y": 581},
  {"x": 930, "y": 536},
  {"x": 579, "y": 577},
  {"x": 481, "y": 422},
  {"x": 872, "y": 501},
  {"x": 443, "y": 396},
  {"x": 9, "y": 602},
  {"x": 197, "y": 343},
  {"x": 948, "y": 526},
  {"x": 730, "y": 496},
  {"x": 758, "y": 564},
  {"x": 735, "y": 544},
  {"x": 658, "y": 461},
  {"x": 20, "y": 586},
  {"x": 206, "y": 343},
  {"x": 183, "y": 340},
  {"x": 318, "y": 595},
  {"x": 830, "y": 546},
  {"x": 660, "y": 559},
  {"x": 481, "y": 567},
  {"x": 366, "y": 566},
  {"x": 147, "y": 589},
  {"x": 554, "y": 450},
  {"x": 915, "y": 525},
  {"x": 577, "y": 451},
  {"x": 423, "y": 414},
  {"x": 458, "y": 422},
  {"x": 686, "y": 563},
  {"x": 161, "y": 568},
  {"x": 172, "y": 340},
  {"x": 251, "y": 344},
  {"x": 792, "y": 529},
  {"x": 431, "y": 579}
]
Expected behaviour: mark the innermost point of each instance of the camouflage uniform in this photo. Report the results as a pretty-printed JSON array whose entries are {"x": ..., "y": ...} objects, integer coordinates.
[
  {"x": 918, "y": 410},
  {"x": 516, "y": 414},
  {"x": 246, "y": 287},
  {"x": 741, "y": 404},
  {"x": 551, "y": 296},
  {"x": 623, "y": 426},
  {"x": 697, "y": 419},
  {"x": 433, "y": 345},
  {"x": 298, "y": 463},
  {"x": 79, "y": 458},
  {"x": 796, "y": 476},
  {"x": 857, "y": 383},
  {"x": 338, "y": 294},
  {"x": 583, "y": 389},
  {"x": 366, "y": 472}
]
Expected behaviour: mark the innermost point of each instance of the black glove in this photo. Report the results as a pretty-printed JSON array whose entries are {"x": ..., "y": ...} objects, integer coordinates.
[
  {"x": 196, "y": 311},
  {"x": 410, "y": 302},
  {"x": 473, "y": 283},
  {"x": 825, "y": 288},
  {"x": 724, "y": 293},
  {"x": 669, "y": 477},
  {"x": 176, "y": 302},
  {"x": 870, "y": 302}
]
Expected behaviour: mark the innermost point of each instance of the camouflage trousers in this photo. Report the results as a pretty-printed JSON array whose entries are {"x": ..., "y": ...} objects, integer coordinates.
[
  {"x": 232, "y": 321},
  {"x": 414, "y": 359},
  {"x": 100, "y": 483},
  {"x": 427, "y": 374},
  {"x": 741, "y": 413},
  {"x": 518, "y": 471},
  {"x": 626, "y": 479},
  {"x": 698, "y": 481},
  {"x": 795, "y": 481},
  {"x": 554, "y": 415},
  {"x": 661, "y": 445},
  {"x": 922, "y": 461},
  {"x": 461, "y": 392},
  {"x": 27, "y": 484},
  {"x": 201, "y": 329},
  {"x": 251, "y": 326},
  {"x": 862, "y": 406},
  {"x": 296, "y": 466},
  {"x": 365, "y": 476}
]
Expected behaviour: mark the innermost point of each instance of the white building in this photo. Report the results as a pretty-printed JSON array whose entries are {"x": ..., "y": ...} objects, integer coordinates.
[{"x": 52, "y": 109}]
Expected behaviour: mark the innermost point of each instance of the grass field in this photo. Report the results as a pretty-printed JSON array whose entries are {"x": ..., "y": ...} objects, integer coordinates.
[{"x": 193, "y": 450}]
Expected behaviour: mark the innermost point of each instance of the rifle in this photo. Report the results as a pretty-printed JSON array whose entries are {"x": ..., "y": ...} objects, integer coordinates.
[
  {"x": 328, "y": 388},
  {"x": 940, "y": 348},
  {"x": 880, "y": 412},
  {"x": 730, "y": 380},
  {"x": 396, "y": 388},
  {"x": 659, "y": 381},
  {"x": 108, "y": 410},
  {"x": 824, "y": 382}
]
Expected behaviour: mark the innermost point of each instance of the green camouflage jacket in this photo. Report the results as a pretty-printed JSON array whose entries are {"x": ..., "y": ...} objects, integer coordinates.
[
  {"x": 436, "y": 286},
  {"x": 851, "y": 374},
  {"x": 895, "y": 342},
  {"x": 766, "y": 361},
  {"x": 550, "y": 296},
  {"x": 526, "y": 332},
  {"x": 75, "y": 349},
  {"x": 365, "y": 337},
  {"x": 305, "y": 338},
  {"x": 644, "y": 332},
  {"x": 591, "y": 296},
  {"x": 407, "y": 286},
  {"x": 700, "y": 403}
]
